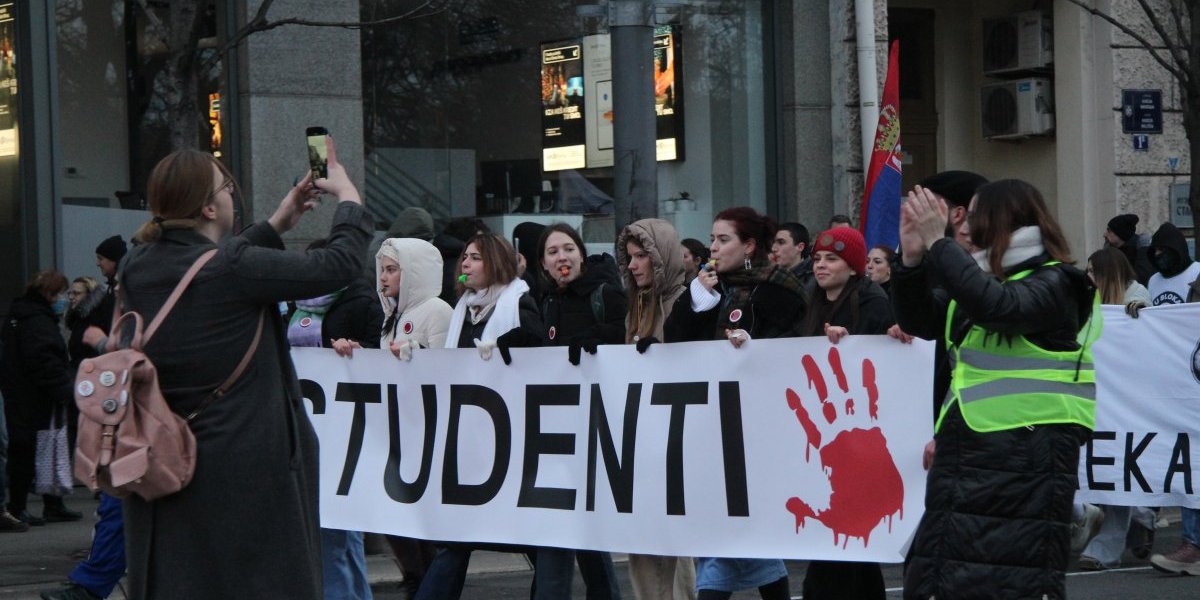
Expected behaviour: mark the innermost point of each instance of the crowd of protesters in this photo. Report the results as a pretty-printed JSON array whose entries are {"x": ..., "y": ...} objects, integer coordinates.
[{"x": 978, "y": 262}]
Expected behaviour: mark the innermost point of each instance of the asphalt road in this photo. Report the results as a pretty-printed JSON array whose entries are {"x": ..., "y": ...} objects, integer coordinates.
[
  {"x": 1134, "y": 580},
  {"x": 41, "y": 558}
]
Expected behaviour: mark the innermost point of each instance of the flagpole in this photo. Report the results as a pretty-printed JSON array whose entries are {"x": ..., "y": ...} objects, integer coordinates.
[{"x": 868, "y": 86}]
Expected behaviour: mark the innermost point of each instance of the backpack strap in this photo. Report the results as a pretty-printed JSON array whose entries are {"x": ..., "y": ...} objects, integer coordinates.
[
  {"x": 237, "y": 372},
  {"x": 176, "y": 293}
]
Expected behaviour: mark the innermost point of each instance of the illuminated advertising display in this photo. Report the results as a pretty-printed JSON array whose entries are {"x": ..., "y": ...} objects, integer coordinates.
[{"x": 563, "y": 130}]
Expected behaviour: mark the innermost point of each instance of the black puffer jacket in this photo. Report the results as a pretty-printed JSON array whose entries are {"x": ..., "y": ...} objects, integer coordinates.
[
  {"x": 568, "y": 313},
  {"x": 35, "y": 375},
  {"x": 997, "y": 505}
]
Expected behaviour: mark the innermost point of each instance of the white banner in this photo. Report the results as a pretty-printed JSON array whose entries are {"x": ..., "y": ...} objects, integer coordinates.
[
  {"x": 785, "y": 448},
  {"x": 1147, "y": 410}
]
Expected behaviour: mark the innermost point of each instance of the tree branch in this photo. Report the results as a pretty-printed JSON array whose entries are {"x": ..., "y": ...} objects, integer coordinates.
[
  {"x": 1174, "y": 70},
  {"x": 260, "y": 23},
  {"x": 1172, "y": 45},
  {"x": 1177, "y": 17}
]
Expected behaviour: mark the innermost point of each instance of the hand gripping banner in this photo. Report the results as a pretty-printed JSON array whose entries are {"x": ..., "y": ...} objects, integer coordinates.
[{"x": 788, "y": 448}]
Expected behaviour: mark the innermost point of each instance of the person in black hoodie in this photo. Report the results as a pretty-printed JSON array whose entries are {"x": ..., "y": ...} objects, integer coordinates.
[
  {"x": 1003, "y": 466},
  {"x": 36, "y": 380},
  {"x": 582, "y": 307},
  {"x": 1178, "y": 278},
  {"x": 844, "y": 301}
]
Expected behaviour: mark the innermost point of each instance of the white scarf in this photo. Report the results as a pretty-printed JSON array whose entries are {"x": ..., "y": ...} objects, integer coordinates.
[
  {"x": 1026, "y": 243},
  {"x": 505, "y": 314}
]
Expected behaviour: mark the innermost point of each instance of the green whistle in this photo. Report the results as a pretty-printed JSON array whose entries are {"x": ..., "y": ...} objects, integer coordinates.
[{"x": 462, "y": 278}]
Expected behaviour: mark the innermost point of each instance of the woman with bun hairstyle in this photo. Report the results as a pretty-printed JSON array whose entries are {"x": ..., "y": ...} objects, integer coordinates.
[
  {"x": 652, "y": 266},
  {"x": 740, "y": 298},
  {"x": 256, "y": 476}
]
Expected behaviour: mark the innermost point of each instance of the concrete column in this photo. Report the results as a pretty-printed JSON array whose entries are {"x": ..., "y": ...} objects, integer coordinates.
[
  {"x": 806, "y": 160},
  {"x": 1083, "y": 85},
  {"x": 292, "y": 78}
]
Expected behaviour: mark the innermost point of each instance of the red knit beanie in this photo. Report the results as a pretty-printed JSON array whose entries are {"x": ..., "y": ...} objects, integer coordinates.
[{"x": 847, "y": 243}]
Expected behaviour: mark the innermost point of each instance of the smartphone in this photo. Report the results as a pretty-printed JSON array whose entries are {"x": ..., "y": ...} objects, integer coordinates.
[{"x": 318, "y": 161}]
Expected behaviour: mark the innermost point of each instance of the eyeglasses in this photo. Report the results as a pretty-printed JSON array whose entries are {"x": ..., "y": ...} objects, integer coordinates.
[{"x": 225, "y": 187}]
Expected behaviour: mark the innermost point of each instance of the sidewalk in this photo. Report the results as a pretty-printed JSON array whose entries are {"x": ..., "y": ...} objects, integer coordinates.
[{"x": 41, "y": 558}]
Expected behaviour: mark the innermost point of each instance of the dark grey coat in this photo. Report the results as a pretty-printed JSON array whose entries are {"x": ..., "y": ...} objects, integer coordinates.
[{"x": 247, "y": 525}]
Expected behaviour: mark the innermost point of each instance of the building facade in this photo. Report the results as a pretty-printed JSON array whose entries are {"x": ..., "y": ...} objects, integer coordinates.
[{"x": 456, "y": 109}]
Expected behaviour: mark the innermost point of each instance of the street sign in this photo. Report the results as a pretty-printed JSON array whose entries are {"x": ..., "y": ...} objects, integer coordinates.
[
  {"x": 1181, "y": 213},
  {"x": 1141, "y": 142},
  {"x": 1141, "y": 111}
]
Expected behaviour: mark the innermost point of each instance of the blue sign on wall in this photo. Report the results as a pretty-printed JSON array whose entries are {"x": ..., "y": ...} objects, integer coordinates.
[{"x": 1141, "y": 111}]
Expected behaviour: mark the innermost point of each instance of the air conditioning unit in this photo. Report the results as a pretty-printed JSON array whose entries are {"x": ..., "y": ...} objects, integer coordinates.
[
  {"x": 1023, "y": 42},
  {"x": 1017, "y": 109}
]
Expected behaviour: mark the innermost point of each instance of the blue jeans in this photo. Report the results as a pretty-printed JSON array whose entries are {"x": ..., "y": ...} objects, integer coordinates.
[
  {"x": 1191, "y": 525},
  {"x": 555, "y": 569},
  {"x": 344, "y": 565},
  {"x": 105, "y": 564}
]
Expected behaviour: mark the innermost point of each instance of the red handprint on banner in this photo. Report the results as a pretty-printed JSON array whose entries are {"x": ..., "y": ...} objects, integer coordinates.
[{"x": 866, "y": 485}]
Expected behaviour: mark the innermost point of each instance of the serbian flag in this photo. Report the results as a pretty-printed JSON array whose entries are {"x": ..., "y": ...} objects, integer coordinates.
[{"x": 880, "y": 220}]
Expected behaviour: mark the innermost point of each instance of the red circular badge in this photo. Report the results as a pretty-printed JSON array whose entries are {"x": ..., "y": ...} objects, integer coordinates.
[
  {"x": 408, "y": 327},
  {"x": 553, "y": 332},
  {"x": 305, "y": 322},
  {"x": 735, "y": 316}
]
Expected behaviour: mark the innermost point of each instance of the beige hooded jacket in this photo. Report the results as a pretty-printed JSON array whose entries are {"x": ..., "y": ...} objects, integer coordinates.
[{"x": 649, "y": 309}]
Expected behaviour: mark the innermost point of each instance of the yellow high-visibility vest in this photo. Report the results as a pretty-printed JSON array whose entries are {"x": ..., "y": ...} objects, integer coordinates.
[{"x": 1002, "y": 382}]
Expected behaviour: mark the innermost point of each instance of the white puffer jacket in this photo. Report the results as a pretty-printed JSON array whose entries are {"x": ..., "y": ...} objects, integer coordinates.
[{"x": 423, "y": 317}]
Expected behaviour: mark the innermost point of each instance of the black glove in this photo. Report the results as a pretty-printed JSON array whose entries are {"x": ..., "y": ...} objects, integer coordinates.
[
  {"x": 516, "y": 338},
  {"x": 577, "y": 345},
  {"x": 645, "y": 342}
]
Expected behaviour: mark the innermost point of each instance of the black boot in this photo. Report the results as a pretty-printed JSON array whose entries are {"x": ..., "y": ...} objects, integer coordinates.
[{"x": 54, "y": 511}]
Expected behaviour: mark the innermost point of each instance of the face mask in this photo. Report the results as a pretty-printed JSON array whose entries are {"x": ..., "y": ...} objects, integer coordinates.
[
  {"x": 59, "y": 306},
  {"x": 1167, "y": 263}
]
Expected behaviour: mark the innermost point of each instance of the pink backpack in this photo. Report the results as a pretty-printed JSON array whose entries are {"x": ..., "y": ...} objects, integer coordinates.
[{"x": 130, "y": 441}]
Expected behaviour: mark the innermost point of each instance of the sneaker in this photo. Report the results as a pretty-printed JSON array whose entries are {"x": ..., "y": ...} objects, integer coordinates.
[
  {"x": 72, "y": 591},
  {"x": 60, "y": 514},
  {"x": 11, "y": 524},
  {"x": 1185, "y": 560},
  {"x": 1087, "y": 563},
  {"x": 29, "y": 519},
  {"x": 1084, "y": 530}
]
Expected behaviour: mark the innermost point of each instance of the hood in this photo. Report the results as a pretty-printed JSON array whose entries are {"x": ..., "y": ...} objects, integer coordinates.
[
  {"x": 661, "y": 242},
  {"x": 450, "y": 247},
  {"x": 412, "y": 222},
  {"x": 1168, "y": 237},
  {"x": 86, "y": 306},
  {"x": 527, "y": 234},
  {"x": 420, "y": 272}
]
